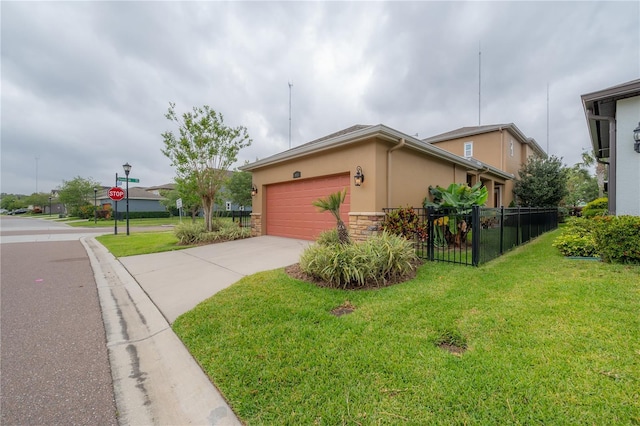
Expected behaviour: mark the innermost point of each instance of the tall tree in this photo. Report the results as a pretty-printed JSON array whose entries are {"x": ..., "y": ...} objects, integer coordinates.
[
  {"x": 76, "y": 193},
  {"x": 542, "y": 182},
  {"x": 582, "y": 187},
  {"x": 203, "y": 151},
  {"x": 238, "y": 189}
]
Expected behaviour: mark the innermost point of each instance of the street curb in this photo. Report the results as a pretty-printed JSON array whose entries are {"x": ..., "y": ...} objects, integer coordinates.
[{"x": 155, "y": 379}]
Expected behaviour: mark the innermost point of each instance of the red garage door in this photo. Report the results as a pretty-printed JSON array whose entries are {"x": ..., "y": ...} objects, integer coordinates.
[{"x": 291, "y": 214}]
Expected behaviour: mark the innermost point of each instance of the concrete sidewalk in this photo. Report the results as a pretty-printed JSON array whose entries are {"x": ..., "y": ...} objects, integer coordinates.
[
  {"x": 177, "y": 281},
  {"x": 156, "y": 381}
]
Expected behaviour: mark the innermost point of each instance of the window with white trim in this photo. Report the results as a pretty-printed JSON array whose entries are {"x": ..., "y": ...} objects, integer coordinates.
[
  {"x": 468, "y": 149},
  {"x": 511, "y": 147}
]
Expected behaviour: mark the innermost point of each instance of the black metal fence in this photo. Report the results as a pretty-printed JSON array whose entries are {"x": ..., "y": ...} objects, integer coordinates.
[
  {"x": 481, "y": 234},
  {"x": 243, "y": 218}
]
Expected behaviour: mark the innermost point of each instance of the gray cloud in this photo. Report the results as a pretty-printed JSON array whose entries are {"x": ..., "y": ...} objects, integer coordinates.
[{"x": 85, "y": 85}]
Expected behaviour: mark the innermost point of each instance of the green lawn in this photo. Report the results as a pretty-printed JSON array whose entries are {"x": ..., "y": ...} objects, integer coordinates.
[
  {"x": 548, "y": 341},
  {"x": 140, "y": 243}
]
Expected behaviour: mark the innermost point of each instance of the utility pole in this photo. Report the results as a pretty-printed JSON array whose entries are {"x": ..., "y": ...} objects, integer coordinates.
[
  {"x": 479, "y": 79},
  {"x": 37, "y": 158},
  {"x": 547, "y": 118},
  {"x": 290, "y": 86}
]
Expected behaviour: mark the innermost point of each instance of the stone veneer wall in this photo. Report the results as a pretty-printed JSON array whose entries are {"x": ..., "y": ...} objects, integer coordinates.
[
  {"x": 364, "y": 224},
  {"x": 256, "y": 224}
]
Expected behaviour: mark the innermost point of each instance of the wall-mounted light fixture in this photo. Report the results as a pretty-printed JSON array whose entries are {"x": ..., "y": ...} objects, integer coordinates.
[
  {"x": 636, "y": 138},
  {"x": 358, "y": 178},
  {"x": 254, "y": 190}
]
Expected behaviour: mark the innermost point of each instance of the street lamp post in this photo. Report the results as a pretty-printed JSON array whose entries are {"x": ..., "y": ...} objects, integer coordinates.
[
  {"x": 127, "y": 169},
  {"x": 49, "y": 206},
  {"x": 95, "y": 205}
]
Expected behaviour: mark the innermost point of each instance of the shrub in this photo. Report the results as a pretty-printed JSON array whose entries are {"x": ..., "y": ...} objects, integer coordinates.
[
  {"x": 597, "y": 207},
  {"x": 406, "y": 223},
  {"x": 142, "y": 215},
  {"x": 374, "y": 262},
  {"x": 189, "y": 233},
  {"x": 577, "y": 238},
  {"x": 328, "y": 238},
  {"x": 618, "y": 238}
]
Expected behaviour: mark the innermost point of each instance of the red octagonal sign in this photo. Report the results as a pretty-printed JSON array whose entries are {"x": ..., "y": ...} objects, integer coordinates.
[{"x": 116, "y": 194}]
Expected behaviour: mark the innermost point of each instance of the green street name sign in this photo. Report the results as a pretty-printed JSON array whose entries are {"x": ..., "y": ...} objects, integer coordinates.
[{"x": 124, "y": 179}]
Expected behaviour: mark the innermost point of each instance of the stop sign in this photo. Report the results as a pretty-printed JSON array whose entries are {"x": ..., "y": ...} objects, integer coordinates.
[{"x": 116, "y": 194}]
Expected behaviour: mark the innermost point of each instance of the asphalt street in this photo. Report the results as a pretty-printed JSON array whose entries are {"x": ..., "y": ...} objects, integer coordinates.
[{"x": 55, "y": 366}]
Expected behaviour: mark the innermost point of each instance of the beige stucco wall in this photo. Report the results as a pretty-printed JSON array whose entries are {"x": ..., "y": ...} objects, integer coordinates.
[
  {"x": 411, "y": 174},
  {"x": 397, "y": 179},
  {"x": 494, "y": 148}
]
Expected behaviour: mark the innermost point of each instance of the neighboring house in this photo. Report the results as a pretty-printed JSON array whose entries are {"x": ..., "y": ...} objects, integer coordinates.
[
  {"x": 226, "y": 206},
  {"x": 398, "y": 170},
  {"x": 612, "y": 116},
  {"x": 140, "y": 200},
  {"x": 502, "y": 146},
  {"x": 156, "y": 189}
]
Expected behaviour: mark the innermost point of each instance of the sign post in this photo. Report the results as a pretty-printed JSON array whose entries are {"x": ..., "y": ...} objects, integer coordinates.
[
  {"x": 179, "y": 206},
  {"x": 116, "y": 194}
]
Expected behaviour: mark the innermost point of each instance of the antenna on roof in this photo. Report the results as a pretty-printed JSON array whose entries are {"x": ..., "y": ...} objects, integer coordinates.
[
  {"x": 290, "y": 86},
  {"x": 479, "y": 79}
]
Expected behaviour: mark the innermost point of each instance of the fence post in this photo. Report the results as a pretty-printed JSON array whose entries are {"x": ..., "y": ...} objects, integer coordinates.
[
  {"x": 475, "y": 236},
  {"x": 518, "y": 239},
  {"x": 430, "y": 236},
  {"x": 501, "y": 229}
]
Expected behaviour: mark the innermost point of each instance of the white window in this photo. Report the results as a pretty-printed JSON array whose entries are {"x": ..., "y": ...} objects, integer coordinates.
[
  {"x": 511, "y": 147},
  {"x": 468, "y": 149},
  {"x": 228, "y": 205}
]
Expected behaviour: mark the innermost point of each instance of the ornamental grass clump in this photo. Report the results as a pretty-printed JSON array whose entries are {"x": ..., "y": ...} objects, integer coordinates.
[{"x": 375, "y": 262}]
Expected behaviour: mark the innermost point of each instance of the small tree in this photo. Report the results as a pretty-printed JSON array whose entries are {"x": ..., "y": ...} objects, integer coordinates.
[
  {"x": 203, "y": 151},
  {"x": 332, "y": 204},
  {"x": 542, "y": 183},
  {"x": 76, "y": 193}
]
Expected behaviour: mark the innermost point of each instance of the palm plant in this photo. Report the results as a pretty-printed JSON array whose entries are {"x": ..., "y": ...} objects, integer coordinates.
[{"x": 332, "y": 204}]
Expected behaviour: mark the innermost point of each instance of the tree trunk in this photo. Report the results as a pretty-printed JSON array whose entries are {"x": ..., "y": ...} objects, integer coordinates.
[
  {"x": 207, "y": 206},
  {"x": 343, "y": 233}
]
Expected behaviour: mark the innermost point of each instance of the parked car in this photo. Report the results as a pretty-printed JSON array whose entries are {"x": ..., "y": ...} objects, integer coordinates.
[{"x": 20, "y": 211}]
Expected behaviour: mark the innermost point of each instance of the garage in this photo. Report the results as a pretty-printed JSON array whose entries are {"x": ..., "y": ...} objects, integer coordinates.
[{"x": 289, "y": 211}]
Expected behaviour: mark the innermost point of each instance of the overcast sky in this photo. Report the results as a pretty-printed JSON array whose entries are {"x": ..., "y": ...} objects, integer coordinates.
[{"x": 85, "y": 85}]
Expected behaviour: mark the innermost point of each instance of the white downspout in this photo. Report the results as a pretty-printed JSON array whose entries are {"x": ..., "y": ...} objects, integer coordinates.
[{"x": 400, "y": 144}]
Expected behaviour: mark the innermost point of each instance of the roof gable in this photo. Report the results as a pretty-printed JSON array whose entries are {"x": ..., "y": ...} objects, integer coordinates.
[{"x": 464, "y": 132}]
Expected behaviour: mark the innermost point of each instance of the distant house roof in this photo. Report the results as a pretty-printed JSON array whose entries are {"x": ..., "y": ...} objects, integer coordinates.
[
  {"x": 477, "y": 130},
  {"x": 166, "y": 187}
]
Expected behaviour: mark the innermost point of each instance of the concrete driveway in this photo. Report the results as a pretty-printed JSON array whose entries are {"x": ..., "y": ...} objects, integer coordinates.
[{"x": 177, "y": 281}]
